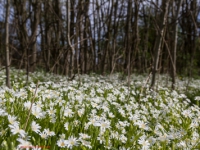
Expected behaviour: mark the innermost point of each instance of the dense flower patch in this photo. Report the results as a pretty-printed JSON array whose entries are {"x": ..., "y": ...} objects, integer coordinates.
[{"x": 96, "y": 112}]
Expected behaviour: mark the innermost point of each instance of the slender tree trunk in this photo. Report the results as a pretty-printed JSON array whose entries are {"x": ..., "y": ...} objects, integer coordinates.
[
  {"x": 128, "y": 40},
  {"x": 86, "y": 39},
  {"x": 107, "y": 30},
  {"x": 194, "y": 31},
  {"x": 175, "y": 29},
  {"x": 136, "y": 37},
  {"x": 69, "y": 40},
  {"x": 86, "y": 36},
  {"x": 93, "y": 34},
  {"x": 46, "y": 30},
  {"x": 158, "y": 44},
  {"x": 33, "y": 43},
  {"x": 92, "y": 45},
  {"x": 7, "y": 44},
  {"x": 58, "y": 31},
  {"x": 146, "y": 40},
  {"x": 80, "y": 27}
]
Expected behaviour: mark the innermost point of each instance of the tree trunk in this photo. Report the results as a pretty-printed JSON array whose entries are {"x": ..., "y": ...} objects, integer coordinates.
[
  {"x": 136, "y": 38},
  {"x": 174, "y": 49},
  {"x": 69, "y": 40},
  {"x": 128, "y": 38},
  {"x": 159, "y": 39},
  {"x": 146, "y": 40},
  {"x": 128, "y": 41},
  {"x": 7, "y": 44},
  {"x": 33, "y": 43}
]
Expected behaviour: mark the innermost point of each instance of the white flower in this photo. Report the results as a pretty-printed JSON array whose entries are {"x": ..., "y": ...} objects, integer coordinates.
[
  {"x": 60, "y": 102},
  {"x": 76, "y": 123},
  {"x": 66, "y": 125},
  {"x": 197, "y": 98},
  {"x": 43, "y": 135},
  {"x": 37, "y": 112},
  {"x": 12, "y": 119},
  {"x": 123, "y": 138},
  {"x": 86, "y": 143},
  {"x": 182, "y": 144},
  {"x": 37, "y": 147},
  {"x": 115, "y": 135},
  {"x": 93, "y": 121},
  {"x": 151, "y": 140},
  {"x": 68, "y": 112},
  {"x": 111, "y": 115},
  {"x": 104, "y": 125},
  {"x": 51, "y": 111},
  {"x": 123, "y": 148},
  {"x": 62, "y": 143},
  {"x": 48, "y": 132},
  {"x": 101, "y": 139},
  {"x": 142, "y": 125},
  {"x": 15, "y": 130},
  {"x": 3, "y": 112},
  {"x": 53, "y": 118},
  {"x": 84, "y": 136},
  {"x": 134, "y": 117},
  {"x": 81, "y": 112},
  {"x": 164, "y": 137},
  {"x": 27, "y": 105},
  {"x": 38, "y": 105},
  {"x": 35, "y": 127},
  {"x": 72, "y": 141},
  {"x": 194, "y": 124},
  {"x": 62, "y": 136},
  {"x": 12, "y": 100},
  {"x": 182, "y": 132},
  {"x": 187, "y": 113},
  {"x": 24, "y": 144},
  {"x": 122, "y": 112},
  {"x": 144, "y": 143}
]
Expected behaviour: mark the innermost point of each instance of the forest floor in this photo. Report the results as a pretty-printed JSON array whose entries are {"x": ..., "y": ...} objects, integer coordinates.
[{"x": 98, "y": 112}]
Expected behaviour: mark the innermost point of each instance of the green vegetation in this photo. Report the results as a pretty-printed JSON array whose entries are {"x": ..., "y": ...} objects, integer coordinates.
[{"x": 98, "y": 112}]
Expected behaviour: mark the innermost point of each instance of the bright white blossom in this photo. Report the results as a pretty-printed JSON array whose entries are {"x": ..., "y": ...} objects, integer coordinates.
[
  {"x": 62, "y": 143},
  {"x": 71, "y": 142},
  {"x": 15, "y": 129},
  {"x": 144, "y": 143},
  {"x": 35, "y": 127}
]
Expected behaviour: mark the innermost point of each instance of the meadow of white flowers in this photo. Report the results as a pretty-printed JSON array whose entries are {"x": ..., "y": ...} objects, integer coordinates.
[{"x": 97, "y": 112}]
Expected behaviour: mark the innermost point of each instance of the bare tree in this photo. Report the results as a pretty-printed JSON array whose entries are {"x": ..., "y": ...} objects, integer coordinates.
[
  {"x": 46, "y": 31},
  {"x": 34, "y": 28},
  {"x": 128, "y": 40},
  {"x": 145, "y": 36},
  {"x": 7, "y": 44},
  {"x": 136, "y": 36},
  {"x": 105, "y": 36},
  {"x": 69, "y": 40},
  {"x": 21, "y": 17},
  {"x": 174, "y": 48},
  {"x": 159, "y": 39}
]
